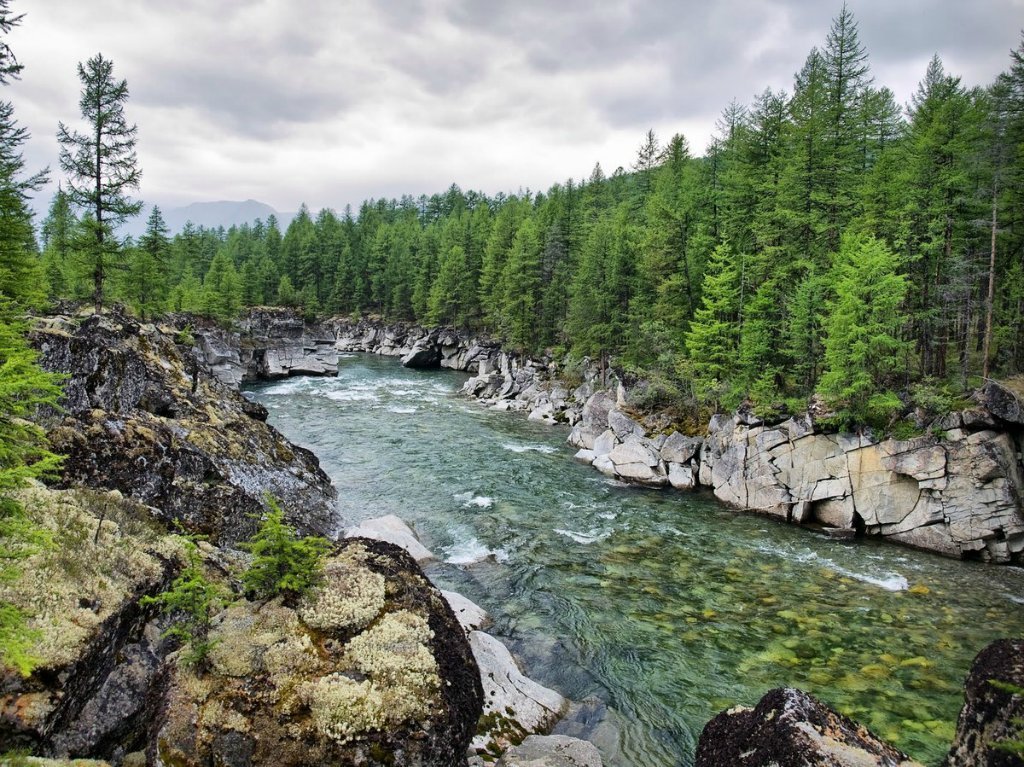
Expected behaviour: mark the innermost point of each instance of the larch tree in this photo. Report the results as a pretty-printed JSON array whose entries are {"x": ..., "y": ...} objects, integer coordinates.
[{"x": 102, "y": 167}]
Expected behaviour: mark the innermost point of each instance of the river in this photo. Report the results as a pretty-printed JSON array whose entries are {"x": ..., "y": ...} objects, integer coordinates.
[{"x": 660, "y": 607}]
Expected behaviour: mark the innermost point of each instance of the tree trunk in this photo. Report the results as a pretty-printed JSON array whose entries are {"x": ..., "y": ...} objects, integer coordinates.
[{"x": 986, "y": 348}]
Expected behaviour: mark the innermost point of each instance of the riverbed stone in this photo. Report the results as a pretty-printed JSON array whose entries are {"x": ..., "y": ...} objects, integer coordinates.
[
  {"x": 551, "y": 751},
  {"x": 393, "y": 530}
]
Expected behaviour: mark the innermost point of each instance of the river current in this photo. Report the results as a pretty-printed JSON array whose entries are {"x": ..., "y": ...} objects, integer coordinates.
[{"x": 660, "y": 608}]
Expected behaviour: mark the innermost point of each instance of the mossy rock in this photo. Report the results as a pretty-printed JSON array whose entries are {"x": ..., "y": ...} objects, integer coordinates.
[{"x": 371, "y": 668}]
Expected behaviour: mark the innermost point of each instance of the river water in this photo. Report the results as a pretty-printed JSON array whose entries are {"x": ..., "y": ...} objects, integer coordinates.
[{"x": 661, "y": 608}]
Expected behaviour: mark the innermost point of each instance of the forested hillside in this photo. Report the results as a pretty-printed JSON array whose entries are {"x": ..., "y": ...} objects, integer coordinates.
[{"x": 829, "y": 241}]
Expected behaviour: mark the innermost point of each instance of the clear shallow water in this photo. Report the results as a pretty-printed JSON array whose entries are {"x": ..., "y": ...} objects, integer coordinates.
[{"x": 666, "y": 606}]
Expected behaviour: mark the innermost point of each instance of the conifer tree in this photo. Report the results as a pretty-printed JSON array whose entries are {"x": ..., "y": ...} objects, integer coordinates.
[
  {"x": 57, "y": 241},
  {"x": 863, "y": 350},
  {"x": 712, "y": 340},
  {"x": 102, "y": 167}
]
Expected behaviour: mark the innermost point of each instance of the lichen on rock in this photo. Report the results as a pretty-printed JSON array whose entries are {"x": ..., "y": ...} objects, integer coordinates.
[
  {"x": 370, "y": 668},
  {"x": 349, "y": 597}
]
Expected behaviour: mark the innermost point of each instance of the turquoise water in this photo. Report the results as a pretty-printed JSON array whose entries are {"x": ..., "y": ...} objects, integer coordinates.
[{"x": 667, "y": 607}]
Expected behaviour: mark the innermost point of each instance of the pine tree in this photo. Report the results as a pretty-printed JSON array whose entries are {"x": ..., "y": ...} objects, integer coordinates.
[
  {"x": 711, "y": 342},
  {"x": 863, "y": 350},
  {"x": 58, "y": 239},
  {"x": 21, "y": 276},
  {"x": 522, "y": 282},
  {"x": 102, "y": 166}
]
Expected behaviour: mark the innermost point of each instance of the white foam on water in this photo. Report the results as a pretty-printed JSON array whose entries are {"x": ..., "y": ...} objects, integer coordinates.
[
  {"x": 351, "y": 395},
  {"x": 889, "y": 581},
  {"x": 289, "y": 386},
  {"x": 585, "y": 538},
  {"x": 472, "y": 499},
  {"x": 406, "y": 410},
  {"x": 347, "y": 355},
  {"x": 471, "y": 551},
  {"x": 519, "y": 448}
]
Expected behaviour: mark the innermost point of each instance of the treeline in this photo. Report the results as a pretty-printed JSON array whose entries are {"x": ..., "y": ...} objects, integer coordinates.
[{"x": 829, "y": 242}]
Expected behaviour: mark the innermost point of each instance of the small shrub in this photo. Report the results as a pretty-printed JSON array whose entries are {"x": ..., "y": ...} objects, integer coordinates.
[
  {"x": 283, "y": 563},
  {"x": 191, "y": 602},
  {"x": 184, "y": 337}
]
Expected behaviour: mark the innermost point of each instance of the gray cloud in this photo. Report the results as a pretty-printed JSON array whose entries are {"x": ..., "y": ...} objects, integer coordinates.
[{"x": 333, "y": 102}]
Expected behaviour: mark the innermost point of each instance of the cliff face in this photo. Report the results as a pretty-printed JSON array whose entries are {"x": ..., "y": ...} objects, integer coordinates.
[
  {"x": 268, "y": 343},
  {"x": 141, "y": 415},
  {"x": 956, "y": 491}
]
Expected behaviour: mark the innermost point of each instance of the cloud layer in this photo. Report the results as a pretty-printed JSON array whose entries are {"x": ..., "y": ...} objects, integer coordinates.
[{"x": 333, "y": 102}]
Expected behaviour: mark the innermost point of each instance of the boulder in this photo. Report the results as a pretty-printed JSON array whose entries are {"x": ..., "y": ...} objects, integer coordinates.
[
  {"x": 679, "y": 448},
  {"x": 393, "y": 530},
  {"x": 371, "y": 667},
  {"x": 789, "y": 727},
  {"x": 991, "y": 713},
  {"x": 681, "y": 477},
  {"x": 423, "y": 355},
  {"x": 142, "y": 415},
  {"x": 470, "y": 615},
  {"x": 551, "y": 751},
  {"x": 1005, "y": 399},
  {"x": 514, "y": 706},
  {"x": 623, "y": 425}
]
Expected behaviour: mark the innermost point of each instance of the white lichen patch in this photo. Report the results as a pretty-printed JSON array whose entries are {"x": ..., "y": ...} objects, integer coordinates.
[
  {"x": 102, "y": 550},
  {"x": 349, "y": 597},
  {"x": 242, "y": 635},
  {"x": 402, "y": 683}
]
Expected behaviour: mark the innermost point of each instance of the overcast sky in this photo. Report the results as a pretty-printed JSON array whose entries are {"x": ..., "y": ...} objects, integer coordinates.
[{"x": 330, "y": 102}]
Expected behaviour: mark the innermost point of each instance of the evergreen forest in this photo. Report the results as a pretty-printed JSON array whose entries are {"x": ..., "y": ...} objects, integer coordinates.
[{"x": 830, "y": 242}]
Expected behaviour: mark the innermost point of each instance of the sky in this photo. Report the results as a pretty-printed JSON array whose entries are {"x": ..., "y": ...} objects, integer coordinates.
[{"x": 330, "y": 102}]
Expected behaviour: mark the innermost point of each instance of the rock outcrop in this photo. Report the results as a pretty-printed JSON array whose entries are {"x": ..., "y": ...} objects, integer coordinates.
[
  {"x": 789, "y": 727},
  {"x": 372, "y": 667},
  {"x": 956, "y": 491},
  {"x": 993, "y": 712},
  {"x": 142, "y": 416},
  {"x": 268, "y": 343},
  {"x": 95, "y": 688}
]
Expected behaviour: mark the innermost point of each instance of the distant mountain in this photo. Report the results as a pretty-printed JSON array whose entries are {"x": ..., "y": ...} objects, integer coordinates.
[{"x": 226, "y": 213}]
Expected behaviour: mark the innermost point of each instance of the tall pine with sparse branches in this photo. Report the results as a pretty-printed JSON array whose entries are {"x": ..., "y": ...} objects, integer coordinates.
[{"x": 102, "y": 168}]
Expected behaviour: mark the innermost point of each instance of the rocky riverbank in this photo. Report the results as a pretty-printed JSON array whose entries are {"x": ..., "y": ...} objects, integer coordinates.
[
  {"x": 956, "y": 490},
  {"x": 376, "y": 667}
]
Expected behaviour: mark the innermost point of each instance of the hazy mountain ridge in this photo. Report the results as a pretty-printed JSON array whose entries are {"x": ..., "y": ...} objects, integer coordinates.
[{"x": 226, "y": 213}]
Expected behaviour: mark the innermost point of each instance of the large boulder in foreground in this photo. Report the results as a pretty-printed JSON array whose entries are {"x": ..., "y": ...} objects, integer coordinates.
[
  {"x": 142, "y": 415},
  {"x": 992, "y": 714},
  {"x": 371, "y": 668},
  {"x": 790, "y": 728}
]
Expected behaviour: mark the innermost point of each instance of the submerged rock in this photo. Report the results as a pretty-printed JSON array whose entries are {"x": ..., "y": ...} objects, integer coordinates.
[
  {"x": 993, "y": 713},
  {"x": 791, "y": 728},
  {"x": 371, "y": 668},
  {"x": 141, "y": 416}
]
